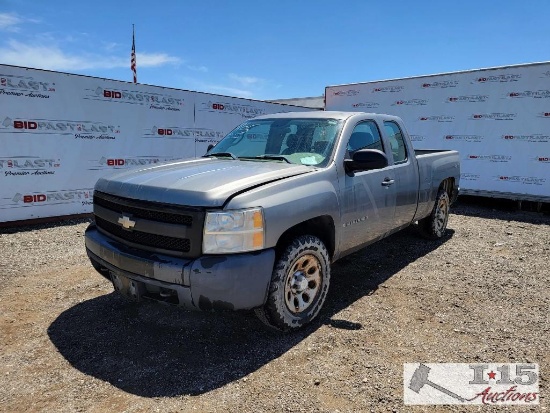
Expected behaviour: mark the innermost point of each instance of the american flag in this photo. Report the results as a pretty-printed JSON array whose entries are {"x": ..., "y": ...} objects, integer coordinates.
[{"x": 133, "y": 56}]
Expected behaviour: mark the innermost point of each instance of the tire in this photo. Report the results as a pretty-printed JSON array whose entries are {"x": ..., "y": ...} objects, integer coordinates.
[
  {"x": 299, "y": 285},
  {"x": 435, "y": 225}
]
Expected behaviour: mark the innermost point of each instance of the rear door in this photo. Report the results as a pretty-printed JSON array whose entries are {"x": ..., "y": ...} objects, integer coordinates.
[
  {"x": 405, "y": 171},
  {"x": 368, "y": 197}
]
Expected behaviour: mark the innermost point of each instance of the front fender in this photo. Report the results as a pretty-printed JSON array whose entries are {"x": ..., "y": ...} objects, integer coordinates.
[{"x": 291, "y": 201}]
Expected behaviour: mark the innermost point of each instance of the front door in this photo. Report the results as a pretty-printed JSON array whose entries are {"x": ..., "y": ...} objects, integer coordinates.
[{"x": 368, "y": 197}]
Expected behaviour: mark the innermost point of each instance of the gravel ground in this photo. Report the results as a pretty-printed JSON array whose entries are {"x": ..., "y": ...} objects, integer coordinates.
[{"x": 69, "y": 344}]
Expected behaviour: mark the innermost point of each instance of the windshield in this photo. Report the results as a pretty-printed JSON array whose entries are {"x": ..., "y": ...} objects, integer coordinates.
[{"x": 299, "y": 141}]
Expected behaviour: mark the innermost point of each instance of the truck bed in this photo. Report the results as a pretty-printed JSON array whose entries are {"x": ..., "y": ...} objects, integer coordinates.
[{"x": 434, "y": 166}]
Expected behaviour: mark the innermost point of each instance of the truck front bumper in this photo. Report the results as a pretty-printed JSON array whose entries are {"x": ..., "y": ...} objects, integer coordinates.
[{"x": 214, "y": 282}]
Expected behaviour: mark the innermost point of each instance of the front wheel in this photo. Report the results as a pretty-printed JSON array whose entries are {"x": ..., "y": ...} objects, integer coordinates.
[
  {"x": 299, "y": 285},
  {"x": 435, "y": 225}
]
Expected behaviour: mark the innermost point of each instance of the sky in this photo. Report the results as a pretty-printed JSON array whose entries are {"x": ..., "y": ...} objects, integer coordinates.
[{"x": 272, "y": 49}]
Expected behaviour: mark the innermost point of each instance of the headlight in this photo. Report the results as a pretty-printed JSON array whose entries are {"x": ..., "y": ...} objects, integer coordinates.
[{"x": 233, "y": 231}]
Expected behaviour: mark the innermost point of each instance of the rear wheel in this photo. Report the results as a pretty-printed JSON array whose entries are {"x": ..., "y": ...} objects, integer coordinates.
[
  {"x": 299, "y": 285},
  {"x": 435, "y": 225}
]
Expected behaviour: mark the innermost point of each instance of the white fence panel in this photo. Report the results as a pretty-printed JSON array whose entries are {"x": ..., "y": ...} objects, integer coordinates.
[
  {"x": 498, "y": 119},
  {"x": 60, "y": 132}
]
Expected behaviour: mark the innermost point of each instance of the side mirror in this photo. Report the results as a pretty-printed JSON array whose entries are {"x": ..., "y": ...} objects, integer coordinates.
[
  {"x": 366, "y": 160},
  {"x": 209, "y": 147}
]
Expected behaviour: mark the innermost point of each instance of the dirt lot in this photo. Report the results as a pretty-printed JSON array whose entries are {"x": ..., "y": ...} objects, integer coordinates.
[{"x": 68, "y": 343}]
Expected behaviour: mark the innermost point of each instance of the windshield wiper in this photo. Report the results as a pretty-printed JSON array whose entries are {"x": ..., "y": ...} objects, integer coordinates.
[
  {"x": 275, "y": 157},
  {"x": 221, "y": 154}
]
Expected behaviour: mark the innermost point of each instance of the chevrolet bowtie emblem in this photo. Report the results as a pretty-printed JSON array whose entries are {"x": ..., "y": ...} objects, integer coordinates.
[{"x": 126, "y": 222}]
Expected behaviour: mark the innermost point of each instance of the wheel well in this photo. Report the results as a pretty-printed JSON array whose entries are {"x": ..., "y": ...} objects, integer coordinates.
[
  {"x": 321, "y": 227},
  {"x": 448, "y": 185}
]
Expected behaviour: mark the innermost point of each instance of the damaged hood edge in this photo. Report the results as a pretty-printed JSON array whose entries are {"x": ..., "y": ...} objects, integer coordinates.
[{"x": 202, "y": 182}]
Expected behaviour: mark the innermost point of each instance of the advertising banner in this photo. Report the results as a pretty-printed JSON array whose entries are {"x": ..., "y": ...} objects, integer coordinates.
[
  {"x": 60, "y": 132},
  {"x": 498, "y": 119}
]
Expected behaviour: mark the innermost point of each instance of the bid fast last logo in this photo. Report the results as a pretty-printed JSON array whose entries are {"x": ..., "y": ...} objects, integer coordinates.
[
  {"x": 152, "y": 100},
  {"x": 106, "y": 163},
  {"x": 83, "y": 196},
  {"x": 245, "y": 111},
  {"x": 25, "y": 87},
  {"x": 88, "y": 130},
  {"x": 28, "y": 166},
  {"x": 175, "y": 132}
]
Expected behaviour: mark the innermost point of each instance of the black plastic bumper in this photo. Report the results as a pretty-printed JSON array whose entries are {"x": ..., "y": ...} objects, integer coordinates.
[{"x": 229, "y": 282}]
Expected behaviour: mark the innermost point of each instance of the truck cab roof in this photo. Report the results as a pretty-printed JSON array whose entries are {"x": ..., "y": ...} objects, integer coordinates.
[{"x": 340, "y": 115}]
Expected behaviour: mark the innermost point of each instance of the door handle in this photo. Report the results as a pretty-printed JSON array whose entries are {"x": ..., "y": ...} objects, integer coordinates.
[{"x": 387, "y": 182}]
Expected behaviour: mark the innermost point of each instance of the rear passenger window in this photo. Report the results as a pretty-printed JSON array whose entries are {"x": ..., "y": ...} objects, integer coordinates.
[
  {"x": 364, "y": 136},
  {"x": 397, "y": 143}
]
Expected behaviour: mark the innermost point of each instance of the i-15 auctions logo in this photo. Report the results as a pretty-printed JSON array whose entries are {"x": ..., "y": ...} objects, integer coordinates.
[{"x": 478, "y": 384}]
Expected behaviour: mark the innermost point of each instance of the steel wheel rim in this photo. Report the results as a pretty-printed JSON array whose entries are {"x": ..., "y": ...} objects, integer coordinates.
[
  {"x": 303, "y": 283},
  {"x": 441, "y": 215}
]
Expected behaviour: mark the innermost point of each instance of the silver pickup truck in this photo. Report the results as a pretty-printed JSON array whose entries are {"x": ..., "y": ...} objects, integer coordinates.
[{"x": 257, "y": 221}]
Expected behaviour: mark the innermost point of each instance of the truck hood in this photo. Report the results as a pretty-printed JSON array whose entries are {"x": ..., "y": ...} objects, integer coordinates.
[{"x": 207, "y": 182}]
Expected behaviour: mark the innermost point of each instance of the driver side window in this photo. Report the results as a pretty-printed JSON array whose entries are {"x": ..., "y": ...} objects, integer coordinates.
[{"x": 365, "y": 135}]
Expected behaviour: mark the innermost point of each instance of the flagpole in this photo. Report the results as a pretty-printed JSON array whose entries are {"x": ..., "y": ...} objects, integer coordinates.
[{"x": 133, "y": 62}]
